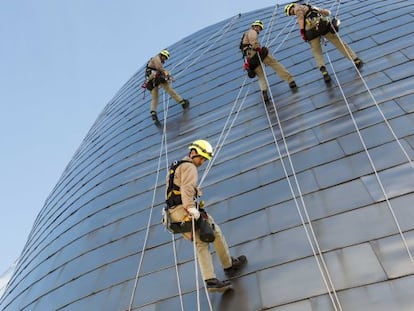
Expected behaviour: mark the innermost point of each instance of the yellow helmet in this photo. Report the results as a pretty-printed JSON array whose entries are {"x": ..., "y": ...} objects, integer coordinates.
[
  {"x": 165, "y": 53},
  {"x": 203, "y": 148},
  {"x": 258, "y": 23},
  {"x": 288, "y": 7}
]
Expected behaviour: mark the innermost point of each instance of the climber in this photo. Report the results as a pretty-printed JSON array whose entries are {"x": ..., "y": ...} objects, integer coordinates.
[
  {"x": 181, "y": 199},
  {"x": 157, "y": 76},
  {"x": 314, "y": 23},
  {"x": 251, "y": 49}
]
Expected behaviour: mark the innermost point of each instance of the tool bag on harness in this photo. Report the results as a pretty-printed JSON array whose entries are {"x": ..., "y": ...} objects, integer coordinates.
[
  {"x": 319, "y": 24},
  {"x": 157, "y": 79},
  {"x": 251, "y": 63},
  {"x": 254, "y": 61},
  {"x": 202, "y": 224},
  {"x": 205, "y": 229}
]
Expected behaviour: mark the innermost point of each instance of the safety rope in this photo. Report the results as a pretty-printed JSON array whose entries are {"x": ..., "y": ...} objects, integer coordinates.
[
  {"x": 164, "y": 143},
  {"x": 271, "y": 22},
  {"x": 164, "y": 137},
  {"x": 144, "y": 246},
  {"x": 391, "y": 209},
  {"x": 292, "y": 24},
  {"x": 337, "y": 9},
  {"x": 195, "y": 263},
  {"x": 180, "y": 293},
  {"x": 227, "y": 27},
  {"x": 222, "y": 140},
  {"x": 377, "y": 105},
  {"x": 319, "y": 260}
]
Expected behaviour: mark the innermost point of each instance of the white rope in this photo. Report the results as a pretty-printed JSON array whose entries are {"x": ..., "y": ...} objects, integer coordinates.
[
  {"x": 391, "y": 209},
  {"x": 164, "y": 142},
  {"x": 147, "y": 230},
  {"x": 195, "y": 263},
  {"x": 320, "y": 261},
  {"x": 337, "y": 9},
  {"x": 177, "y": 272},
  {"x": 166, "y": 107},
  {"x": 221, "y": 140},
  {"x": 377, "y": 106},
  {"x": 293, "y": 22},
  {"x": 270, "y": 26},
  {"x": 228, "y": 26}
]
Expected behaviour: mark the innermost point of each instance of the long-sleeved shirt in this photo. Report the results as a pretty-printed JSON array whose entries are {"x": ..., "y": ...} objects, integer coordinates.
[
  {"x": 156, "y": 63},
  {"x": 186, "y": 177},
  {"x": 251, "y": 37},
  {"x": 300, "y": 11}
]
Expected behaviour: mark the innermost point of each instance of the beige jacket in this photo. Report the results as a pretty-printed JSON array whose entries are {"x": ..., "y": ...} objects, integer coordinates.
[
  {"x": 300, "y": 11},
  {"x": 251, "y": 37},
  {"x": 156, "y": 63},
  {"x": 186, "y": 177}
]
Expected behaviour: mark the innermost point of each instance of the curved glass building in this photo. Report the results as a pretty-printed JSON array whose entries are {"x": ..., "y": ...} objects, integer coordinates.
[{"x": 316, "y": 190}]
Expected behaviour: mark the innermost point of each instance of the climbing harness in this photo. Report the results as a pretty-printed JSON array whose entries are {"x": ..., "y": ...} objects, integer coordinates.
[
  {"x": 307, "y": 225},
  {"x": 251, "y": 63},
  {"x": 153, "y": 78},
  {"x": 164, "y": 145},
  {"x": 144, "y": 246},
  {"x": 319, "y": 24},
  {"x": 205, "y": 229},
  {"x": 173, "y": 191}
]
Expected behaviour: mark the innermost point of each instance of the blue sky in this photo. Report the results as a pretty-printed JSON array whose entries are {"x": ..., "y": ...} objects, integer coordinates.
[{"x": 60, "y": 64}]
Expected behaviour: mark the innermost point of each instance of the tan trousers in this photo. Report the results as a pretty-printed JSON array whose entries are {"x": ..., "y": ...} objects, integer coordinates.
[
  {"x": 168, "y": 88},
  {"x": 205, "y": 259},
  {"x": 333, "y": 38},
  {"x": 270, "y": 61}
]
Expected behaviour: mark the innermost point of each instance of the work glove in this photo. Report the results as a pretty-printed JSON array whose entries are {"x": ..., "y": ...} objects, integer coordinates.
[
  {"x": 302, "y": 33},
  {"x": 259, "y": 49},
  {"x": 194, "y": 213}
]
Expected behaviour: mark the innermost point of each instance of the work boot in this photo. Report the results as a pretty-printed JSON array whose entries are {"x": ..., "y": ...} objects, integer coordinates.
[
  {"x": 358, "y": 63},
  {"x": 236, "y": 265},
  {"x": 325, "y": 74},
  {"x": 265, "y": 97},
  {"x": 155, "y": 118},
  {"x": 215, "y": 285},
  {"x": 185, "y": 103},
  {"x": 292, "y": 84}
]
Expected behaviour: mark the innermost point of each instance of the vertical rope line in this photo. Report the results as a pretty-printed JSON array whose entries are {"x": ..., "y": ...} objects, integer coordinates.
[
  {"x": 220, "y": 142},
  {"x": 271, "y": 22},
  {"x": 177, "y": 272},
  {"x": 195, "y": 263},
  {"x": 391, "y": 209},
  {"x": 293, "y": 22},
  {"x": 320, "y": 261},
  {"x": 228, "y": 26},
  {"x": 166, "y": 108},
  {"x": 147, "y": 229},
  {"x": 377, "y": 106}
]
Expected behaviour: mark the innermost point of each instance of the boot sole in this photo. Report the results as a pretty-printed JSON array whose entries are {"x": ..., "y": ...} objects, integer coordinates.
[{"x": 219, "y": 289}]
